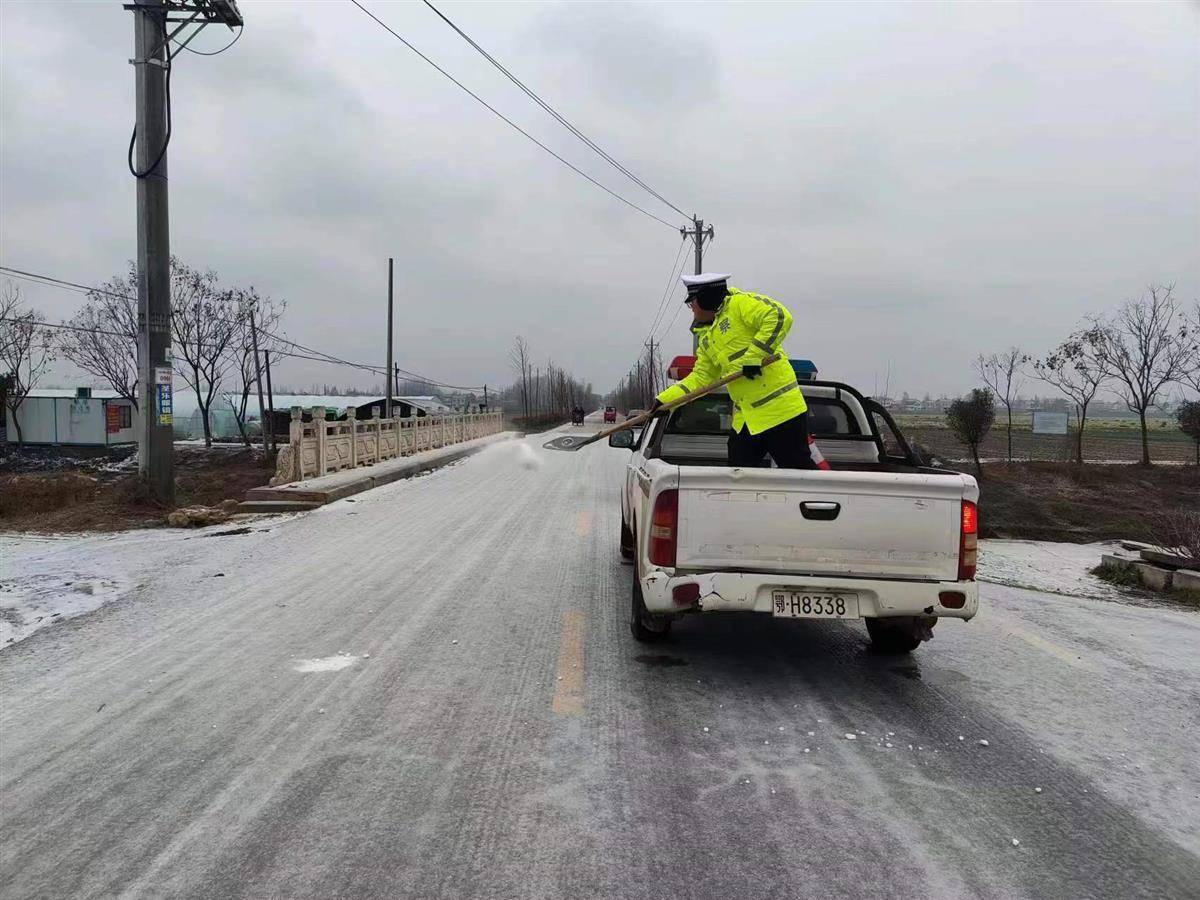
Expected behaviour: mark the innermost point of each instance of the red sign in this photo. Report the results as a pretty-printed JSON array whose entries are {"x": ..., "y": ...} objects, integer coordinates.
[{"x": 113, "y": 424}]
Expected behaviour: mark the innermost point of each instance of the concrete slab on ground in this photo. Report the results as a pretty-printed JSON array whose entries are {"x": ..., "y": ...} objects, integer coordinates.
[
  {"x": 276, "y": 506},
  {"x": 1187, "y": 580},
  {"x": 336, "y": 485},
  {"x": 1154, "y": 577}
]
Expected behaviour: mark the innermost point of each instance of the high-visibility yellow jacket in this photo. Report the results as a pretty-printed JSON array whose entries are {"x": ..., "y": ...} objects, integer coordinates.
[{"x": 747, "y": 328}]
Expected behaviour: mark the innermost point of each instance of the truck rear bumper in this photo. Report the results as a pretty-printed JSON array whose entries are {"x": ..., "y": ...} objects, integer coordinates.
[{"x": 752, "y": 592}]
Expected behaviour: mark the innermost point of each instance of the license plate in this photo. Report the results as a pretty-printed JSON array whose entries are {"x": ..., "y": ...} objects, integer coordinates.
[{"x": 811, "y": 605}]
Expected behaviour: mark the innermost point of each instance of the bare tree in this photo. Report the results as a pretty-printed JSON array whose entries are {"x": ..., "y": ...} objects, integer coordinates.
[
  {"x": 1076, "y": 367},
  {"x": 267, "y": 312},
  {"x": 26, "y": 352},
  {"x": 1191, "y": 377},
  {"x": 204, "y": 326},
  {"x": 971, "y": 418},
  {"x": 1147, "y": 345},
  {"x": 1002, "y": 373},
  {"x": 10, "y": 302},
  {"x": 103, "y": 336},
  {"x": 519, "y": 357},
  {"x": 1188, "y": 417}
]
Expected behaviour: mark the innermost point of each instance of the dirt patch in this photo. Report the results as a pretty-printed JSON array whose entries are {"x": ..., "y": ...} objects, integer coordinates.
[
  {"x": 1064, "y": 502},
  {"x": 101, "y": 498}
]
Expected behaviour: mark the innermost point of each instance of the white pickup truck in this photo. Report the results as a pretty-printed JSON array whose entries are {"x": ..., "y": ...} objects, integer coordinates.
[{"x": 878, "y": 536}]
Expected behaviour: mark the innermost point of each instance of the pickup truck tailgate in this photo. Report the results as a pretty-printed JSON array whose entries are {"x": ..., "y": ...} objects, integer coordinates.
[{"x": 868, "y": 524}]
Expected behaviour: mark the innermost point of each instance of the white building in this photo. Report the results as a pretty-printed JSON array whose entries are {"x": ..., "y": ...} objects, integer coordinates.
[{"x": 79, "y": 417}]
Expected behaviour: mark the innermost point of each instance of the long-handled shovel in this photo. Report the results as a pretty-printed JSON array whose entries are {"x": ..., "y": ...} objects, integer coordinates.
[{"x": 575, "y": 441}]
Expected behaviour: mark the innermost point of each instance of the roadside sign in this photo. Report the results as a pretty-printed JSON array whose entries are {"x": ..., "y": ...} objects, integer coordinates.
[
  {"x": 162, "y": 375},
  {"x": 1049, "y": 422},
  {"x": 162, "y": 404}
]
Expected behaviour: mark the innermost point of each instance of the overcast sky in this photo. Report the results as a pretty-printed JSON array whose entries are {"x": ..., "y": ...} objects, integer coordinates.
[{"x": 917, "y": 183}]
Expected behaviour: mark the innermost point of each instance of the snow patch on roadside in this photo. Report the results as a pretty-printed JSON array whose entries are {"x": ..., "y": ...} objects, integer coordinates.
[
  {"x": 36, "y": 601},
  {"x": 1046, "y": 566},
  {"x": 326, "y": 664}
]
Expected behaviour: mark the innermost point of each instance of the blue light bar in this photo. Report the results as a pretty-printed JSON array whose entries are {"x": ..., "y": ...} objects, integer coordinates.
[{"x": 806, "y": 369}]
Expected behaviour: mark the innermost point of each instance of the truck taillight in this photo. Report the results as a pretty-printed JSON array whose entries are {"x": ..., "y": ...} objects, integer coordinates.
[
  {"x": 664, "y": 525},
  {"x": 968, "y": 542}
]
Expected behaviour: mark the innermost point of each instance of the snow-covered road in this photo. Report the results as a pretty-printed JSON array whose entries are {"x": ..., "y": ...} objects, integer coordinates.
[{"x": 430, "y": 690}]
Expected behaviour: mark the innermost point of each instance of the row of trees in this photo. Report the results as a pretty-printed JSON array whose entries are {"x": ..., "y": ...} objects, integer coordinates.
[
  {"x": 1139, "y": 352},
  {"x": 543, "y": 391},
  {"x": 645, "y": 380},
  {"x": 212, "y": 340}
]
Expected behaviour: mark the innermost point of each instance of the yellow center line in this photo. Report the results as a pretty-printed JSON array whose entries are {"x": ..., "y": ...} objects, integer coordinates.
[{"x": 568, "y": 695}]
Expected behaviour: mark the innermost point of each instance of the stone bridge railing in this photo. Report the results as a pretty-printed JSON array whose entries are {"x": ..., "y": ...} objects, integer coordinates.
[{"x": 321, "y": 446}]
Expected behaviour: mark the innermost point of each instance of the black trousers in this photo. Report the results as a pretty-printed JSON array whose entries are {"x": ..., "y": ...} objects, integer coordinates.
[{"x": 787, "y": 444}]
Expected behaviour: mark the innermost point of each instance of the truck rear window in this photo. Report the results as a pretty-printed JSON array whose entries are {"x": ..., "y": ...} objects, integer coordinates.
[{"x": 713, "y": 415}]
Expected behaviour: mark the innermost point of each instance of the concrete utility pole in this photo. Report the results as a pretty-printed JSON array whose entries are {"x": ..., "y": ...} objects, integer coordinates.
[
  {"x": 698, "y": 233},
  {"x": 151, "y": 65},
  {"x": 262, "y": 413},
  {"x": 388, "y": 406},
  {"x": 270, "y": 397},
  {"x": 156, "y": 460}
]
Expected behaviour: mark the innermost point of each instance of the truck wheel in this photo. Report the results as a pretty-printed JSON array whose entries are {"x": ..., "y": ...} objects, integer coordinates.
[
  {"x": 891, "y": 638},
  {"x": 626, "y": 541},
  {"x": 645, "y": 625}
]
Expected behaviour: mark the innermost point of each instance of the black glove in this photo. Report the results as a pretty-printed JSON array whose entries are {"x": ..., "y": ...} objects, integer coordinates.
[
  {"x": 751, "y": 372},
  {"x": 656, "y": 408}
]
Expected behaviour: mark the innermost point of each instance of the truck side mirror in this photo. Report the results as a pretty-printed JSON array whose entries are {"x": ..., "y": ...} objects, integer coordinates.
[{"x": 623, "y": 439}]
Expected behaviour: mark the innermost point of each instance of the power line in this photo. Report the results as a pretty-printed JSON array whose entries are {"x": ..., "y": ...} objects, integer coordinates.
[
  {"x": 675, "y": 268},
  {"x": 509, "y": 121},
  {"x": 553, "y": 112},
  {"x": 319, "y": 355}
]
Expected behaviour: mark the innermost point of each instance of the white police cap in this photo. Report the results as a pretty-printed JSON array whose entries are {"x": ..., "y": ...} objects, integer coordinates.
[{"x": 704, "y": 278}]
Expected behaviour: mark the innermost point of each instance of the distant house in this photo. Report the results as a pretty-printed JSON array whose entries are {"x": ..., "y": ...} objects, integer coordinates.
[
  {"x": 76, "y": 417},
  {"x": 335, "y": 407}
]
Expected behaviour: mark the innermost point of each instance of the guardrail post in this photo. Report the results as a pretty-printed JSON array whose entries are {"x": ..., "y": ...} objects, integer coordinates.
[
  {"x": 318, "y": 418},
  {"x": 352, "y": 421}
]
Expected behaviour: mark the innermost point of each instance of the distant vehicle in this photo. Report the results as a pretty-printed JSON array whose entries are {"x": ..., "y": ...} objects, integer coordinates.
[
  {"x": 577, "y": 416},
  {"x": 879, "y": 536},
  {"x": 635, "y": 412},
  {"x": 610, "y": 414}
]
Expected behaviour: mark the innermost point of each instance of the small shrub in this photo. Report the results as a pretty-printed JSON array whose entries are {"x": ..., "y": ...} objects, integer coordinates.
[{"x": 1121, "y": 576}]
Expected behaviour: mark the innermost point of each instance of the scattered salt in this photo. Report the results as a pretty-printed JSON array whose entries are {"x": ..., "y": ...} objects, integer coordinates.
[{"x": 850, "y": 736}]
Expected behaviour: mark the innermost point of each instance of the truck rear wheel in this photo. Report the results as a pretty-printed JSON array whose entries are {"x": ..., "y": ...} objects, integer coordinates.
[
  {"x": 892, "y": 636},
  {"x": 645, "y": 625},
  {"x": 626, "y": 540}
]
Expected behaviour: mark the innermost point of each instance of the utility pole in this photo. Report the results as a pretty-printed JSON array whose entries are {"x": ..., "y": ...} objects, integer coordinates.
[
  {"x": 698, "y": 233},
  {"x": 388, "y": 406},
  {"x": 270, "y": 398},
  {"x": 262, "y": 413},
  {"x": 151, "y": 63},
  {"x": 156, "y": 461}
]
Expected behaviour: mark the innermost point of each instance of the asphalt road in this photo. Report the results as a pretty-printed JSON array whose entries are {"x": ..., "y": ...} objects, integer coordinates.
[{"x": 506, "y": 738}]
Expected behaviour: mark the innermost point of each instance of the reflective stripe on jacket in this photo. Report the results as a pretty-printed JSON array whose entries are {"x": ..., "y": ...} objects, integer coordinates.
[{"x": 747, "y": 328}]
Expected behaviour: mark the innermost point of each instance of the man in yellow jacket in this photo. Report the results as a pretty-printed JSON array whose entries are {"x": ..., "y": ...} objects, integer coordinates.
[{"x": 735, "y": 331}]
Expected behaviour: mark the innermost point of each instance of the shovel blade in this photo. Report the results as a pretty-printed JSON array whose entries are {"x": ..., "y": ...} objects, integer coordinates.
[{"x": 568, "y": 442}]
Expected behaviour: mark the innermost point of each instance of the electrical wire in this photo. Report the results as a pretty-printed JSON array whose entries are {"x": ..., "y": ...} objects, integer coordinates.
[
  {"x": 667, "y": 290},
  {"x": 167, "y": 89},
  {"x": 238, "y": 37},
  {"x": 509, "y": 121},
  {"x": 553, "y": 112},
  {"x": 316, "y": 355}
]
